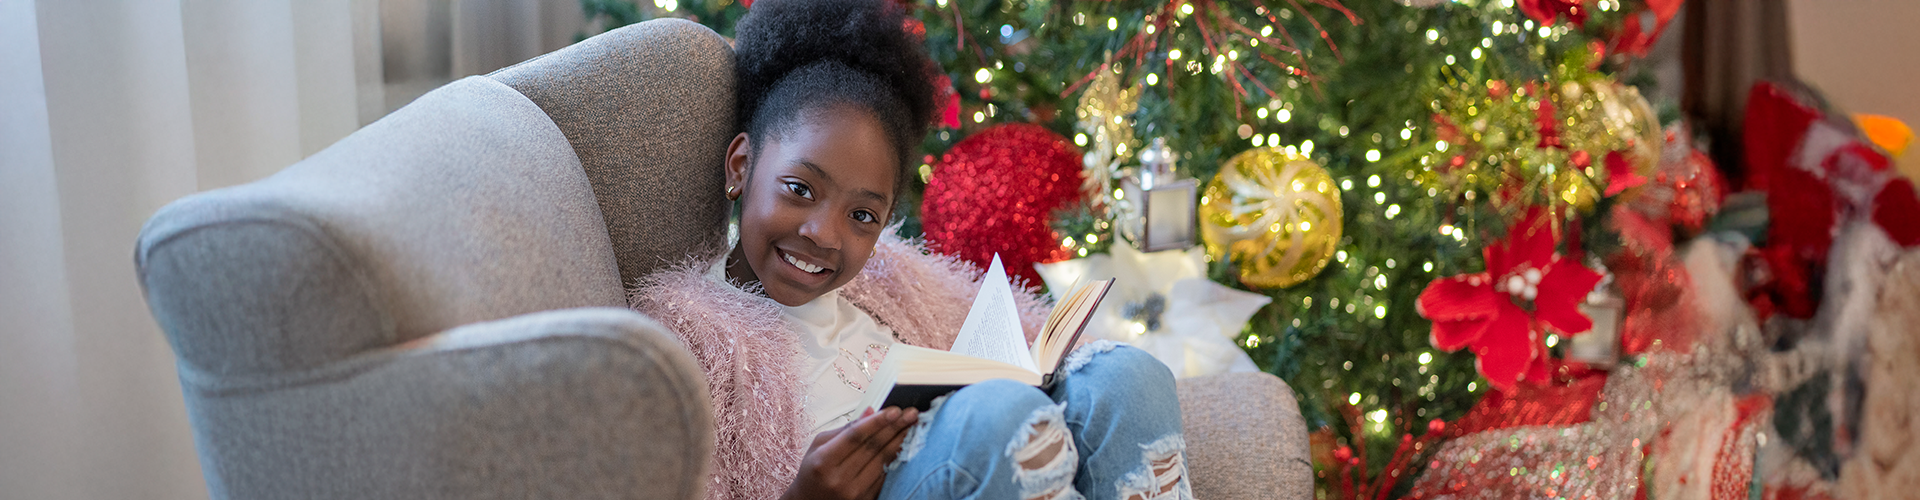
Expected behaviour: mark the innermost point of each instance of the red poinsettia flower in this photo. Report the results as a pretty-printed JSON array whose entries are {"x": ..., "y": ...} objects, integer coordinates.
[
  {"x": 1500, "y": 314},
  {"x": 1547, "y": 11},
  {"x": 1636, "y": 39},
  {"x": 1620, "y": 174}
]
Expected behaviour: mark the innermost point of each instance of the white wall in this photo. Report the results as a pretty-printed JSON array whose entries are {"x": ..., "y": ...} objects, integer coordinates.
[
  {"x": 110, "y": 109},
  {"x": 1864, "y": 55}
]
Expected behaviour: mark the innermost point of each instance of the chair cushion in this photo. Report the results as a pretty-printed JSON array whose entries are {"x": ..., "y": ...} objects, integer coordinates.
[
  {"x": 649, "y": 110},
  {"x": 592, "y": 403},
  {"x": 1245, "y": 437}
]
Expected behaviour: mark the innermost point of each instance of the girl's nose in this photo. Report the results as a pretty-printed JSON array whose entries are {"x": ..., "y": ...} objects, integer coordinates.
[{"x": 819, "y": 228}]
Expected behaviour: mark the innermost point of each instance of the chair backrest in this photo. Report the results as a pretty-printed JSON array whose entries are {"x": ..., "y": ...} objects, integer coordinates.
[
  {"x": 649, "y": 110},
  {"x": 467, "y": 205},
  {"x": 544, "y": 186}
]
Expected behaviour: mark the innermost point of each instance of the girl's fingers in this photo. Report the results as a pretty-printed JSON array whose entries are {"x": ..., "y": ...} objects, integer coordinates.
[
  {"x": 887, "y": 446},
  {"x": 872, "y": 474},
  {"x": 873, "y": 490},
  {"x": 823, "y": 437},
  {"x": 892, "y": 448},
  {"x": 853, "y": 444},
  {"x": 887, "y": 441},
  {"x": 857, "y": 455}
]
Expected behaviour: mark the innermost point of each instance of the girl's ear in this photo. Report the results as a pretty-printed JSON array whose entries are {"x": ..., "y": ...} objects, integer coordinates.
[{"x": 738, "y": 165}]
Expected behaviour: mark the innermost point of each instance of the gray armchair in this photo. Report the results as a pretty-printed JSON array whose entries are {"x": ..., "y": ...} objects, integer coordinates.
[{"x": 433, "y": 307}]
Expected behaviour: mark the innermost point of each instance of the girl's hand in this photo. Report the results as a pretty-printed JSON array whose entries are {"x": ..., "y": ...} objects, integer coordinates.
[{"x": 849, "y": 463}]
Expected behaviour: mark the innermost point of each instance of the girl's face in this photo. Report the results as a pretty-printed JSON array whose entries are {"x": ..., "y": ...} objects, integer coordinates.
[{"x": 812, "y": 204}]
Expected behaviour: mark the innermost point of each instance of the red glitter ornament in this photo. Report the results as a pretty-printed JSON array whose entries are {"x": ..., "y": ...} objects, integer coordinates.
[
  {"x": 996, "y": 192},
  {"x": 1567, "y": 399}
]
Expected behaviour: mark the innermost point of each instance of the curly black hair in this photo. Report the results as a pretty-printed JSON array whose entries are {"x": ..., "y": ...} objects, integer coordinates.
[{"x": 793, "y": 56}]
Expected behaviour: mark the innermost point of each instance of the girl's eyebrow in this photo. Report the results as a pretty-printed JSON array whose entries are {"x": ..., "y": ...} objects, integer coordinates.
[{"x": 858, "y": 192}]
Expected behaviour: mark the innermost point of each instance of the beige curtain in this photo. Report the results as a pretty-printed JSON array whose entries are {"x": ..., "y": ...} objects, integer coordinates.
[
  {"x": 110, "y": 109},
  {"x": 427, "y": 43}
]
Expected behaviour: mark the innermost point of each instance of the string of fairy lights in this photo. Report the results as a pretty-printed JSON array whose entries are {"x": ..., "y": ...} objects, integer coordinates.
[
  {"x": 1380, "y": 172},
  {"x": 1354, "y": 87}
]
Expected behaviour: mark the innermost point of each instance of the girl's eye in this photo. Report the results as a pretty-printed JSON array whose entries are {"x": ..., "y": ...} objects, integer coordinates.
[
  {"x": 800, "y": 190},
  {"x": 864, "y": 216}
]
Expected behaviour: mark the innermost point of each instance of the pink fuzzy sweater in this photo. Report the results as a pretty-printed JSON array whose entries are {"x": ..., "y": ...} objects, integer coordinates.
[{"x": 750, "y": 357}]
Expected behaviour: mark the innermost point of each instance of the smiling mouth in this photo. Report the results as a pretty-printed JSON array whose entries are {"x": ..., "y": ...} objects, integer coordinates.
[{"x": 802, "y": 265}]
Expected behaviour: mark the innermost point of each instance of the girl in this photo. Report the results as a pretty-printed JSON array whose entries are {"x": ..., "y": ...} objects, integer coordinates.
[{"x": 832, "y": 100}]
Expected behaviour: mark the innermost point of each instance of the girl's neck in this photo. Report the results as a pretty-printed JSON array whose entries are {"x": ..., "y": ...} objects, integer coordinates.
[{"x": 738, "y": 271}]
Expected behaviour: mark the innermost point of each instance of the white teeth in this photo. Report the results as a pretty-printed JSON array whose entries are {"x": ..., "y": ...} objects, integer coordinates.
[{"x": 810, "y": 268}]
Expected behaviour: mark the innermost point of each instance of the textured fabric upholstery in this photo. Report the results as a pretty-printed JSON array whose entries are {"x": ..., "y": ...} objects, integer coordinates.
[
  {"x": 577, "y": 403},
  {"x": 649, "y": 109},
  {"x": 1245, "y": 438},
  {"x": 368, "y": 323},
  {"x": 465, "y": 206},
  {"x": 255, "y": 290}
]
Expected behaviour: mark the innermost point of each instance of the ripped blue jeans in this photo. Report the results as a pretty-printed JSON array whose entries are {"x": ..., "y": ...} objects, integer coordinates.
[{"x": 1110, "y": 430}]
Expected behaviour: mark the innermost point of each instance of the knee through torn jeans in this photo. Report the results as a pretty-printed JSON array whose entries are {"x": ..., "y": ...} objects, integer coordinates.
[{"x": 1110, "y": 430}]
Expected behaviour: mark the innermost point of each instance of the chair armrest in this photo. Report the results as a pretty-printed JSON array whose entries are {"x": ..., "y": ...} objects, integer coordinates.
[
  {"x": 576, "y": 403},
  {"x": 1245, "y": 437}
]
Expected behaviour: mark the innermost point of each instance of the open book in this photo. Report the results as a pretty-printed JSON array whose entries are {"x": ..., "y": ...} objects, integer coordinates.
[{"x": 991, "y": 345}]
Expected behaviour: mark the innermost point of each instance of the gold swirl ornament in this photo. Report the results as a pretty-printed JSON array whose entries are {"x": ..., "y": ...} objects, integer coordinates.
[{"x": 1276, "y": 214}]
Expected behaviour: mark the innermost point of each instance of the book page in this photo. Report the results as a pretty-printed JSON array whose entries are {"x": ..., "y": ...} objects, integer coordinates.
[
  {"x": 932, "y": 369},
  {"x": 992, "y": 330},
  {"x": 1067, "y": 326},
  {"x": 1051, "y": 330}
]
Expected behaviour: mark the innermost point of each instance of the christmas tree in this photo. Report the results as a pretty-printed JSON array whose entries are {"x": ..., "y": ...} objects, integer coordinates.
[{"x": 1442, "y": 123}]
